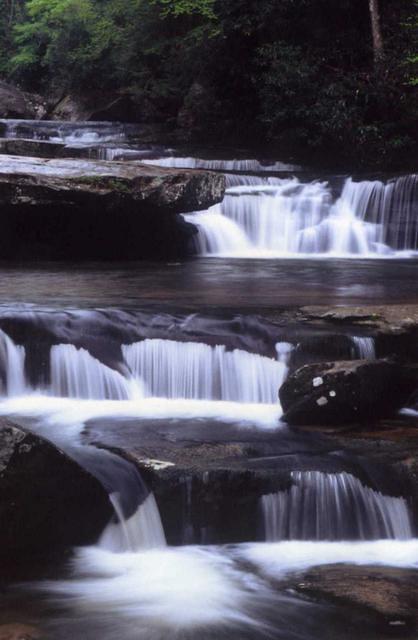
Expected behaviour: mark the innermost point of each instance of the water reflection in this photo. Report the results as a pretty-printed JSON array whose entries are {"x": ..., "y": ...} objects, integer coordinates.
[{"x": 203, "y": 283}]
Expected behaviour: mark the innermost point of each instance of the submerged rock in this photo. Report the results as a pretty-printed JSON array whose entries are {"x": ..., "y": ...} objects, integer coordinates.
[
  {"x": 345, "y": 392},
  {"x": 66, "y": 209},
  {"x": 47, "y": 501},
  {"x": 388, "y": 594}
]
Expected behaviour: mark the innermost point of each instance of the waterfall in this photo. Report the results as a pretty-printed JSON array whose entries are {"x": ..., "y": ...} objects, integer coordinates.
[
  {"x": 284, "y": 217},
  {"x": 392, "y": 207},
  {"x": 284, "y": 352},
  {"x": 218, "y": 235},
  {"x": 12, "y": 359},
  {"x": 221, "y": 165},
  {"x": 143, "y": 530},
  {"x": 322, "y": 506},
  {"x": 241, "y": 180},
  {"x": 76, "y": 374},
  {"x": 364, "y": 348},
  {"x": 263, "y": 219},
  {"x": 193, "y": 370}
]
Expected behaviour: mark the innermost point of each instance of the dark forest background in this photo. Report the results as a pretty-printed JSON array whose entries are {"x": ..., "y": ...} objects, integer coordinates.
[{"x": 321, "y": 78}]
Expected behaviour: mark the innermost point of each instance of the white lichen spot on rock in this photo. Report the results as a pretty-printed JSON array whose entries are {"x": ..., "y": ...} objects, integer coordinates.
[
  {"x": 317, "y": 382},
  {"x": 332, "y": 394},
  {"x": 322, "y": 401}
]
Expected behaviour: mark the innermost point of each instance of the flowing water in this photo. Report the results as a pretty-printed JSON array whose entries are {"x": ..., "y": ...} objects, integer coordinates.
[
  {"x": 291, "y": 218},
  {"x": 170, "y": 369},
  {"x": 131, "y": 583},
  {"x": 190, "y": 354},
  {"x": 322, "y": 506}
]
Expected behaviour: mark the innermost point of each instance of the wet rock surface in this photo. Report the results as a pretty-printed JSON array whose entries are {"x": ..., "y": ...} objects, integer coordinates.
[
  {"x": 389, "y": 596},
  {"x": 61, "y": 149},
  {"x": 214, "y": 473},
  {"x": 47, "y": 502},
  {"x": 345, "y": 392},
  {"x": 41, "y": 181},
  {"x": 390, "y": 447},
  {"x": 43, "y": 149},
  {"x": 61, "y": 209}
]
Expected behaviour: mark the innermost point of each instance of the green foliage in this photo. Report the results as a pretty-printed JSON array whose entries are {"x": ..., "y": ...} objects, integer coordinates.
[
  {"x": 65, "y": 39},
  {"x": 412, "y": 26},
  {"x": 295, "y": 73},
  {"x": 203, "y": 8}
]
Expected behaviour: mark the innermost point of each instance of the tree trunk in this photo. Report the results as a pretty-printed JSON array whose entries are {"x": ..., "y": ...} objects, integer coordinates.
[{"x": 376, "y": 32}]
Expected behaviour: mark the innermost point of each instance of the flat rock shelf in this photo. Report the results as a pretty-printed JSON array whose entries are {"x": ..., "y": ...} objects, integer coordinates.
[{"x": 67, "y": 208}]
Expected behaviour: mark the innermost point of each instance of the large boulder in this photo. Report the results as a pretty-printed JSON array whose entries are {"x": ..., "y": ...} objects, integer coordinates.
[
  {"x": 47, "y": 501},
  {"x": 73, "y": 209},
  {"x": 107, "y": 107},
  {"x": 15, "y": 103},
  {"x": 345, "y": 392},
  {"x": 388, "y": 595}
]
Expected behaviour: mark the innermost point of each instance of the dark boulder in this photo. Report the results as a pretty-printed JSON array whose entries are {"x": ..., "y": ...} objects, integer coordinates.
[
  {"x": 345, "y": 392},
  {"x": 15, "y": 103},
  {"x": 107, "y": 107},
  {"x": 47, "y": 501}
]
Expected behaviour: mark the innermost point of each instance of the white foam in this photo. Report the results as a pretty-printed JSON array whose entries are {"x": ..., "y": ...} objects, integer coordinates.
[
  {"x": 72, "y": 414},
  {"x": 191, "y": 587},
  {"x": 180, "y": 588},
  {"x": 276, "y": 559}
]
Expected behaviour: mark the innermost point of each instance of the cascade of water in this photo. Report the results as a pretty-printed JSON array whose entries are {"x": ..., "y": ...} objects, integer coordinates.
[
  {"x": 266, "y": 217},
  {"x": 321, "y": 506},
  {"x": 76, "y": 374},
  {"x": 218, "y": 235},
  {"x": 193, "y": 370},
  {"x": 284, "y": 352},
  {"x": 392, "y": 207},
  {"x": 364, "y": 348},
  {"x": 221, "y": 165},
  {"x": 263, "y": 219},
  {"x": 240, "y": 180},
  {"x": 143, "y": 530},
  {"x": 12, "y": 358}
]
